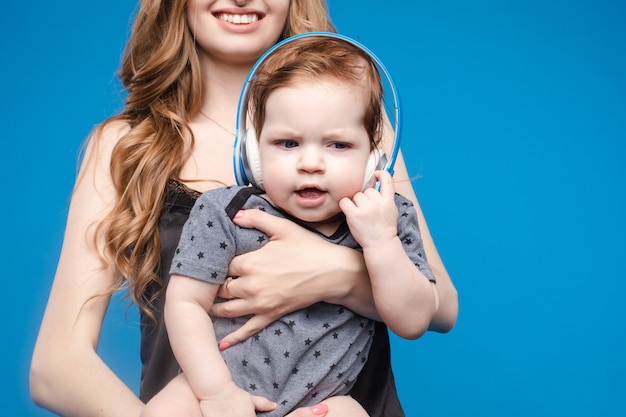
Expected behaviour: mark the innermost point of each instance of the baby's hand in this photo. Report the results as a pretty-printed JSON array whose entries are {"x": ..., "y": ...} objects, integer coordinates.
[
  {"x": 232, "y": 401},
  {"x": 372, "y": 216}
]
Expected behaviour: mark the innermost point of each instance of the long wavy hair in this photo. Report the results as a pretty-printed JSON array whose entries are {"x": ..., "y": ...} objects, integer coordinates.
[{"x": 161, "y": 73}]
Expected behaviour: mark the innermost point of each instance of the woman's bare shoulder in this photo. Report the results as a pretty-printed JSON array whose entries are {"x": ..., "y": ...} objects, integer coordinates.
[{"x": 107, "y": 135}]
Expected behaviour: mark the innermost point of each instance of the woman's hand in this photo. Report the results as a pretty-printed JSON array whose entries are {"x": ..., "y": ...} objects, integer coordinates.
[{"x": 295, "y": 269}]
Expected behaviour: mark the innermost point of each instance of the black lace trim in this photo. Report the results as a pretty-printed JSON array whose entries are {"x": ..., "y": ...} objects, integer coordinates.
[{"x": 178, "y": 193}]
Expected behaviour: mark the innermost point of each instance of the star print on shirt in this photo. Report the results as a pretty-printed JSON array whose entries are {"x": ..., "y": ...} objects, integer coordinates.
[
  {"x": 290, "y": 334},
  {"x": 200, "y": 255}
]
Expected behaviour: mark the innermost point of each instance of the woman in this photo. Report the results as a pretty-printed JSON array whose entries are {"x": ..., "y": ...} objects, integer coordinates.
[{"x": 183, "y": 68}]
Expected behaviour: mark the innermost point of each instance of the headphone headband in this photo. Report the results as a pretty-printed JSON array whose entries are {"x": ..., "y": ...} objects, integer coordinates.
[{"x": 239, "y": 155}]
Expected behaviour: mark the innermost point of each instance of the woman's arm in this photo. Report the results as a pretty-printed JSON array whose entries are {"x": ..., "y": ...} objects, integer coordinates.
[
  {"x": 67, "y": 376},
  {"x": 274, "y": 284}
]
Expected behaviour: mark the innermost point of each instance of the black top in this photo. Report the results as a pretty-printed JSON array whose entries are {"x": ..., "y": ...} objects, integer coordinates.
[{"x": 375, "y": 387}]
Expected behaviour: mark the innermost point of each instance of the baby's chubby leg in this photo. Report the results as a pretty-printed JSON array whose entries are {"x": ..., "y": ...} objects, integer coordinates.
[
  {"x": 176, "y": 399},
  {"x": 344, "y": 406}
]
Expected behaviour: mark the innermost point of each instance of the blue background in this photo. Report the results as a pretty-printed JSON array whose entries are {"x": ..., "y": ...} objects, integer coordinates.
[{"x": 515, "y": 124}]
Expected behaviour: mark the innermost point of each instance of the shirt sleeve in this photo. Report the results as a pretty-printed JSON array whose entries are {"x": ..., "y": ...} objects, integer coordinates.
[
  {"x": 207, "y": 242},
  {"x": 410, "y": 236}
]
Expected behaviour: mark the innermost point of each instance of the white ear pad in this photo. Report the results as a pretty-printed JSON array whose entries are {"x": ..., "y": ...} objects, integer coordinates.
[
  {"x": 376, "y": 161},
  {"x": 253, "y": 158}
]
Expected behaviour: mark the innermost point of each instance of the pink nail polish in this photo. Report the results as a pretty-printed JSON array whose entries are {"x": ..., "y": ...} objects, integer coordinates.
[
  {"x": 239, "y": 214},
  {"x": 224, "y": 345},
  {"x": 319, "y": 409}
]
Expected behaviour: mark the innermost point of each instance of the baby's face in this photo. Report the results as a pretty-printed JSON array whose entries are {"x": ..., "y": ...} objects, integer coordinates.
[{"x": 314, "y": 147}]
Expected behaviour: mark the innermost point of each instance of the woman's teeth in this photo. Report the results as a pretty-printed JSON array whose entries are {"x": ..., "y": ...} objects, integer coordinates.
[{"x": 238, "y": 19}]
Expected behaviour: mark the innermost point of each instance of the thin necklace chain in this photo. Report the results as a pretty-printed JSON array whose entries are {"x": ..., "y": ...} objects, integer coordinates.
[{"x": 219, "y": 125}]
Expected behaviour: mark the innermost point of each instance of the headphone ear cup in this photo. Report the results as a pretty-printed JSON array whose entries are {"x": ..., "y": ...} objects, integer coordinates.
[
  {"x": 253, "y": 159},
  {"x": 376, "y": 161}
]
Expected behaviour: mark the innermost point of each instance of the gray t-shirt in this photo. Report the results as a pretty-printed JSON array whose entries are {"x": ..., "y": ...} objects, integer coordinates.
[{"x": 305, "y": 356}]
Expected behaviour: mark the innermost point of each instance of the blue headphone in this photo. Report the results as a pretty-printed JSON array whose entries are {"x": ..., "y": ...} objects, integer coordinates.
[{"x": 246, "y": 158}]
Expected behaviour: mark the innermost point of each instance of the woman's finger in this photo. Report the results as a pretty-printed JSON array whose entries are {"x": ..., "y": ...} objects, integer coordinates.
[
  {"x": 236, "y": 307},
  {"x": 225, "y": 290},
  {"x": 265, "y": 222},
  {"x": 249, "y": 329}
]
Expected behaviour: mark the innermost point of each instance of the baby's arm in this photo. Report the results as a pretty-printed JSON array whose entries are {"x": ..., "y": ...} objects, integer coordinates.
[
  {"x": 193, "y": 342},
  {"x": 405, "y": 299}
]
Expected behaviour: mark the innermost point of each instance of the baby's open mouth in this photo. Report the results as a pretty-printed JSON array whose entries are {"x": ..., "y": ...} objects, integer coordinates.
[{"x": 310, "y": 192}]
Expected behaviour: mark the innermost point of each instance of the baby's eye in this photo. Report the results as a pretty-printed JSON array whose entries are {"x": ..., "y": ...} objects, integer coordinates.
[
  {"x": 287, "y": 143},
  {"x": 340, "y": 145}
]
